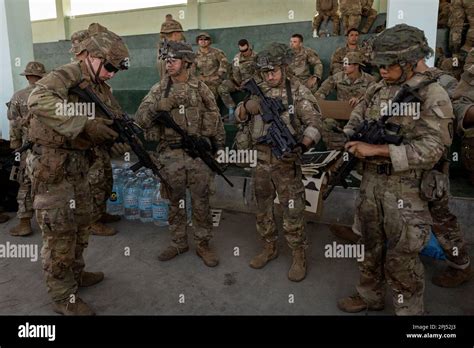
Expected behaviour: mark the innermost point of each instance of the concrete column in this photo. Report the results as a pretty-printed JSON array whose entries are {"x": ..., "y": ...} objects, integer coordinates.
[
  {"x": 422, "y": 14},
  {"x": 61, "y": 29},
  {"x": 16, "y": 51},
  {"x": 192, "y": 14}
]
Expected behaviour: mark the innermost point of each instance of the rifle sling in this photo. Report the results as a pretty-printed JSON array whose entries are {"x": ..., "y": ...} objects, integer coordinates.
[{"x": 291, "y": 106}]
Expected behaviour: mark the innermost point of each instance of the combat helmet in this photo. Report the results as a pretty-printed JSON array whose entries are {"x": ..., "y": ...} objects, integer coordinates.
[
  {"x": 401, "y": 44},
  {"x": 354, "y": 57},
  {"x": 35, "y": 69},
  {"x": 275, "y": 54},
  {"x": 103, "y": 43},
  {"x": 170, "y": 25},
  {"x": 76, "y": 41},
  {"x": 178, "y": 50},
  {"x": 203, "y": 34}
]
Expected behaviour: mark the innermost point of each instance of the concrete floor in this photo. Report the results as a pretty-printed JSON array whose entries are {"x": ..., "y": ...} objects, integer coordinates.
[{"x": 140, "y": 284}]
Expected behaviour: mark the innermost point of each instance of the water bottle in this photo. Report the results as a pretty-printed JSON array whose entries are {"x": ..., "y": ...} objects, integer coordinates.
[
  {"x": 130, "y": 199},
  {"x": 126, "y": 166},
  {"x": 145, "y": 203},
  {"x": 160, "y": 208},
  {"x": 189, "y": 209},
  {"x": 115, "y": 201}
]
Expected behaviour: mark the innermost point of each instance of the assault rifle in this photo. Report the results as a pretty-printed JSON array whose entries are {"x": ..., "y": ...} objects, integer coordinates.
[
  {"x": 278, "y": 135},
  {"x": 375, "y": 132},
  {"x": 195, "y": 146},
  {"x": 127, "y": 130}
]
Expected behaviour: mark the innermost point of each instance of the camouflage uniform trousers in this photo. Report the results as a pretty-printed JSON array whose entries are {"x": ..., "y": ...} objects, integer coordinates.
[
  {"x": 63, "y": 210},
  {"x": 101, "y": 182},
  {"x": 24, "y": 197},
  {"x": 213, "y": 86},
  {"x": 449, "y": 235},
  {"x": 323, "y": 15},
  {"x": 395, "y": 226},
  {"x": 181, "y": 172},
  {"x": 351, "y": 21},
  {"x": 272, "y": 176},
  {"x": 225, "y": 89}
]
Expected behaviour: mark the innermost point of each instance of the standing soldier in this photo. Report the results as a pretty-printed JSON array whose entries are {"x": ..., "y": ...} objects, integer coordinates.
[
  {"x": 100, "y": 172},
  {"x": 444, "y": 10},
  {"x": 62, "y": 200},
  {"x": 461, "y": 10},
  {"x": 282, "y": 176},
  {"x": 445, "y": 224},
  {"x": 304, "y": 60},
  {"x": 394, "y": 219},
  {"x": 369, "y": 12},
  {"x": 18, "y": 116},
  {"x": 193, "y": 107},
  {"x": 243, "y": 68},
  {"x": 171, "y": 30},
  {"x": 327, "y": 9},
  {"x": 351, "y": 11},
  {"x": 210, "y": 65},
  {"x": 352, "y": 44}
]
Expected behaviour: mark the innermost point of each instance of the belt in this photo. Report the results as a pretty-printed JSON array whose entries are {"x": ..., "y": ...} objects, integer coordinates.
[{"x": 385, "y": 168}]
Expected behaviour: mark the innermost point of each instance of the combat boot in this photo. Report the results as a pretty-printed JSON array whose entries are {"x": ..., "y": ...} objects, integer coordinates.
[
  {"x": 22, "y": 229},
  {"x": 108, "y": 218},
  {"x": 99, "y": 229},
  {"x": 344, "y": 232},
  {"x": 79, "y": 307},
  {"x": 4, "y": 218},
  {"x": 270, "y": 252},
  {"x": 171, "y": 252},
  {"x": 355, "y": 304},
  {"x": 90, "y": 278},
  {"x": 207, "y": 254},
  {"x": 297, "y": 270},
  {"x": 452, "y": 277}
]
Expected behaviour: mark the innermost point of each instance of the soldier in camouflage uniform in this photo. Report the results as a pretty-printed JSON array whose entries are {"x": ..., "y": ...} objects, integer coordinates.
[
  {"x": 62, "y": 200},
  {"x": 351, "y": 11},
  {"x": 210, "y": 65},
  {"x": 445, "y": 224},
  {"x": 338, "y": 55},
  {"x": 171, "y": 30},
  {"x": 444, "y": 10},
  {"x": 282, "y": 176},
  {"x": 369, "y": 12},
  {"x": 394, "y": 220},
  {"x": 350, "y": 86},
  {"x": 463, "y": 98},
  {"x": 327, "y": 9},
  {"x": 304, "y": 61},
  {"x": 19, "y": 119},
  {"x": 100, "y": 172},
  {"x": 243, "y": 68},
  {"x": 461, "y": 11},
  {"x": 192, "y": 105}
]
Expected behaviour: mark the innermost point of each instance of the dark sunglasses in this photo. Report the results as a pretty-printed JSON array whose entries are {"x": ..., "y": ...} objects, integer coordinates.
[{"x": 110, "y": 68}]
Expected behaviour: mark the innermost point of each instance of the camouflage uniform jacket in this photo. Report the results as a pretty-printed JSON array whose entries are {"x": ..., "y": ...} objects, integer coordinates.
[
  {"x": 200, "y": 117},
  {"x": 338, "y": 57},
  {"x": 49, "y": 127},
  {"x": 303, "y": 61},
  {"x": 211, "y": 64},
  {"x": 307, "y": 116},
  {"x": 345, "y": 87},
  {"x": 18, "y": 115},
  {"x": 463, "y": 96},
  {"x": 244, "y": 68},
  {"x": 425, "y": 136}
]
